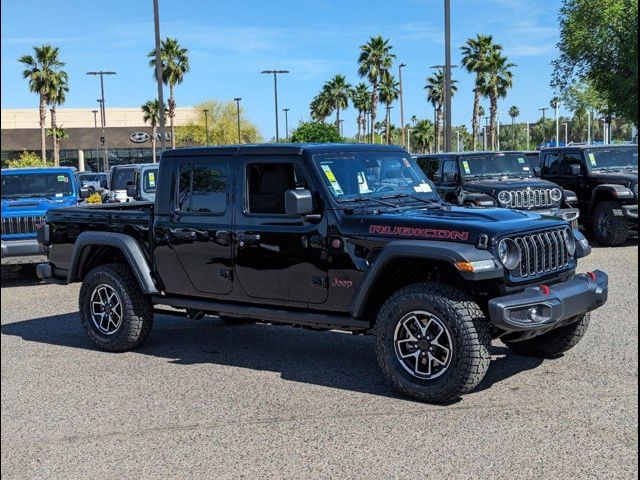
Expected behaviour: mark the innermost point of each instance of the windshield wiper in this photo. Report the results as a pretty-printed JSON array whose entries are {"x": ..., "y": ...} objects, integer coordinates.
[
  {"x": 362, "y": 198},
  {"x": 406, "y": 195}
]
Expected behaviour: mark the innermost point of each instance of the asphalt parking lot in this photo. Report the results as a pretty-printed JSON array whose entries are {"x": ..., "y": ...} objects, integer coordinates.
[{"x": 201, "y": 399}]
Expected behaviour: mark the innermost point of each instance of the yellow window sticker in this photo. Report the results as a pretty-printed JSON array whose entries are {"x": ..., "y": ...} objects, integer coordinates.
[
  {"x": 465, "y": 165},
  {"x": 152, "y": 179},
  {"x": 592, "y": 159},
  {"x": 332, "y": 179},
  {"x": 521, "y": 160},
  {"x": 63, "y": 178}
]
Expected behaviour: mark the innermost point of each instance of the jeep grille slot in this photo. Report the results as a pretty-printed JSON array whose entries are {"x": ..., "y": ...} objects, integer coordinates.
[
  {"x": 540, "y": 198},
  {"x": 542, "y": 253},
  {"x": 20, "y": 225}
]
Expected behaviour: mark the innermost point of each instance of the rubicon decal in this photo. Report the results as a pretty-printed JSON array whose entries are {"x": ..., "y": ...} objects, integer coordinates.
[{"x": 400, "y": 231}]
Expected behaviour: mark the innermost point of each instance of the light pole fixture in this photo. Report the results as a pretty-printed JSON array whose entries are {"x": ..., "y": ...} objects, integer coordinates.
[
  {"x": 156, "y": 27},
  {"x": 206, "y": 126},
  {"x": 528, "y": 137},
  {"x": 275, "y": 93},
  {"x": 286, "y": 122},
  {"x": 342, "y": 127},
  {"x": 95, "y": 118},
  {"x": 400, "y": 67},
  {"x": 446, "y": 127},
  {"x": 566, "y": 132},
  {"x": 237, "y": 100},
  {"x": 103, "y": 114},
  {"x": 387, "y": 122}
]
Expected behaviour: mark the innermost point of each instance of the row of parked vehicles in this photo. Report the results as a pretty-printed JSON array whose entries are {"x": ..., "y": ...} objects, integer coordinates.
[{"x": 350, "y": 237}]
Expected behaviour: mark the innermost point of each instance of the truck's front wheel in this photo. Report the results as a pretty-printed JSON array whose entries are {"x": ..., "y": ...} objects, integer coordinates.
[
  {"x": 114, "y": 312},
  {"x": 432, "y": 342},
  {"x": 610, "y": 228}
]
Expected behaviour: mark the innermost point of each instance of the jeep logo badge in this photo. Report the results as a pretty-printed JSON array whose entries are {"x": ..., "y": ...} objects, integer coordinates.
[{"x": 139, "y": 137}]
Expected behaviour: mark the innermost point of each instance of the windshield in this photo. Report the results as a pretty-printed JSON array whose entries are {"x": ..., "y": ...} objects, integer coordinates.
[
  {"x": 36, "y": 185},
  {"x": 91, "y": 177},
  {"x": 496, "y": 165},
  {"x": 120, "y": 178},
  {"x": 372, "y": 175},
  {"x": 615, "y": 157},
  {"x": 149, "y": 180}
]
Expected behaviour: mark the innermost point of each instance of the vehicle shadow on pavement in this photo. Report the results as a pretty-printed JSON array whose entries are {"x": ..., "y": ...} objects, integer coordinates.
[
  {"x": 18, "y": 277},
  {"x": 330, "y": 359},
  {"x": 629, "y": 242}
]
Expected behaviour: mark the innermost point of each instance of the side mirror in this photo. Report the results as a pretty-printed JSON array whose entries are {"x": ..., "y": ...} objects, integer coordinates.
[
  {"x": 575, "y": 170},
  {"x": 450, "y": 177},
  {"x": 84, "y": 192},
  {"x": 132, "y": 190},
  {"x": 537, "y": 171},
  {"x": 298, "y": 202}
]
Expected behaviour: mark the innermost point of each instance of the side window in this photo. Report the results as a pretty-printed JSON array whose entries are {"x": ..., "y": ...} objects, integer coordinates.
[
  {"x": 202, "y": 188},
  {"x": 431, "y": 167},
  {"x": 449, "y": 167},
  {"x": 569, "y": 159},
  {"x": 552, "y": 164},
  {"x": 267, "y": 184}
]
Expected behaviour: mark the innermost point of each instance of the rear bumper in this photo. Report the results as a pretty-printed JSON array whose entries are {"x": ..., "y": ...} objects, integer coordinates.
[
  {"x": 542, "y": 308},
  {"x": 630, "y": 212},
  {"x": 23, "y": 251}
]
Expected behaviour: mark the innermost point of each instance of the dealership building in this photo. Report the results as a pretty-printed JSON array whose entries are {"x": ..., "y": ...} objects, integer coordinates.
[{"x": 127, "y": 139}]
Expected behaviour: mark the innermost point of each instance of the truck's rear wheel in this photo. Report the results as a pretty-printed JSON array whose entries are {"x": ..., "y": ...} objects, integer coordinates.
[
  {"x": 114, "y": 312},
  {"x": 610, "y": 228},
  {"x": 553, "y": 343},
  {"x": 432, "y": 342}
]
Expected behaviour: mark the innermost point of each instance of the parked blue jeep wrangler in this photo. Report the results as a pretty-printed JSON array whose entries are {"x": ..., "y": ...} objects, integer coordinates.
[{"x": 27, "y": 195}]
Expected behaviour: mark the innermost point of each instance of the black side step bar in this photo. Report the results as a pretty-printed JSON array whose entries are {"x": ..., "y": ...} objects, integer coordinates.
[{"x": 294, "y": 317}]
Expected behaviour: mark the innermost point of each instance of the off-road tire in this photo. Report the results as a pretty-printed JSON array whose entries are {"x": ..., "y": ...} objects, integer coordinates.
[
  {"x": 469, "y": 332},
  {"x": 136, "y": 306},
  {"x": 619, "y": 228},
  {"x": 554, "y": 343}
]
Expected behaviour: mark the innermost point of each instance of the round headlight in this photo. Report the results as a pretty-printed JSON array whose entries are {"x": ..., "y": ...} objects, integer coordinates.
[
  {"x": 556, "y": 194},
  {"x": 504, "y": 197},
  {"x": 569, "y": 241},
  {"x": 509, "y": 253}
]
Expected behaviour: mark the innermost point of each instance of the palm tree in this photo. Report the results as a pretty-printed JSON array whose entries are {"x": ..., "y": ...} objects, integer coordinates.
[
  {"x": 175, "y": 63},
  {"x": 57, "y": 96},
  {"x": 498, "y": 79},
  {"x": 435, "y": 96},
  {"x": 474, "y": 57},
  {"x": 422, "y": 135},
  {"x": 60, "y": 134},
  {"x": 41, "y": 70},
  {"x": 151, "y": 114},
  {"x": 514, "y": 113},
  {"x": 320, "y": 107},
  {"x": 337, "y": 90},
  {"x": 361, "y": 99},
  {"x": 375, "y": 61},
  {"x": 389, "y": 93}
]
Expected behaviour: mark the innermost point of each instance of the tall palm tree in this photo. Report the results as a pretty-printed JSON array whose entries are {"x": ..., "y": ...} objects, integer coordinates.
[
  {"x": 475, "y": 52},
  {"x": 374, "y": 62},
  {"x": 175, "y": 63},
  {"x": 151, "y": 115},
  {"x": 389, "y": 93},
  {"x": 57, "y": 96},
  {"x": 498, "y": 80},
  {"x": 41, "y": 70},
  {"x": 337, "y": 90},
  {"x": 59, "y": 134},
  {"x": 361, "y": 99},
  {"x": 514, "y": 113},
  {"x": 320, "y": 107},
  {"x": 422, "y": 136},
  {"x": 435, "y": 96}
]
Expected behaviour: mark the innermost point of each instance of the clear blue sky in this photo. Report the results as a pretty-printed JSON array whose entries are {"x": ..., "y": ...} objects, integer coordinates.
[{"x": 231, "y": 41}]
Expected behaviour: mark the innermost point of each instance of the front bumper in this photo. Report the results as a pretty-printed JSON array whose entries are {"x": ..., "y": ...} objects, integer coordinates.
[
  {"x": 21, "y": 252},
  {"x": 543, "y": 308},
  {"x": 630, "y": 212}
]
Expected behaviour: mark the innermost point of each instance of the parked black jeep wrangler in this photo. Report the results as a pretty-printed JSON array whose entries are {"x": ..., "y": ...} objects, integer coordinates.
[
  {"x": 349, "y": 237},
  {"x": 503, "y": 179},
  {"x": 605, "y": 179}
]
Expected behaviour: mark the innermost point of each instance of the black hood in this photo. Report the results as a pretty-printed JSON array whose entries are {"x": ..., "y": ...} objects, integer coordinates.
[
  {"x": 628, "y": 178},
  {"x": 498, "y": 184}
]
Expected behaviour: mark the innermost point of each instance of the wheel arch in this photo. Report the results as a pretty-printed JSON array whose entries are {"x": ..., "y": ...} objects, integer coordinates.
[{"x": 605, "y": 193}]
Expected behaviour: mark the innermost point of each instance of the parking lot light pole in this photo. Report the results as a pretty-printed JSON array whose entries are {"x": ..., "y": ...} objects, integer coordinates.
[
  {"x": 566, "y": 133},
  {"x": 588, "y": 127},
  {"x": 275, "y": 93},
  {"x": 528, "y": 137},
  {"x": 206, "y": 126},
  {"x": 447, "y": 75},
  {"x": 400, "y": 67},
  {"x": 237, "y": 100},
  {"x": 544, "y": 118},
  {"x": 103, "y": 113},
  {"x": 156, "y": 25},
  {"x": 286, "y": 122}
]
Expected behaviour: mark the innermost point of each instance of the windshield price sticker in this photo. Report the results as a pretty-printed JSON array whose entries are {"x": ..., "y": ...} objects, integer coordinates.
[
  {"x": 423, "y": 188},
  {"x": 406, "y": 163},
  {"x": 526, "y": 169},
  {"x": 152, "y": 179},
  {"x": 592, "y": 159},
  {"x": 521, "y": 160},
  {"x": 465, "y": 165},
  {"x": 63, "y": 178},
  {"x": 332, "y": 179}
]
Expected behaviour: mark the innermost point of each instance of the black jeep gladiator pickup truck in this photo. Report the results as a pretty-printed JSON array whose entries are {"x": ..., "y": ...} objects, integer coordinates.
[
  {"x": 497, "y": 179},
  {"x": 605, "y": 179},
  {"x": 349, "y": 237}
]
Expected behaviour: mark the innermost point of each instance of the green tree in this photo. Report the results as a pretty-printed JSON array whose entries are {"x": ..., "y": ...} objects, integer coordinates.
[
  {"x": 27, "y": 159},
  {"x": 175, "y": 63},
  {"x": 337, "y": 95},
  {"x": 361, "y": 99},
  {"x": 435, "y": 96},
  {"x": 374, "y": 63},
  {"x": 41, "y": 71},
  {"x": 599, "y": 44},
  {"x": 514, "y": 113},
  {"x": 422, "y": 136},
  {"x": 320, "y": 106},
  {"x": 315, "y": 132},
  {"x": 475, "y": 53},
  {"x": 60, "y": 134},
  {"x": 389, "y": 93},
  {"x": 151, "y": 115}
]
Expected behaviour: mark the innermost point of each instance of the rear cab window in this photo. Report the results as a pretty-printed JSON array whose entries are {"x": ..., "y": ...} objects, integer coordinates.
[{"x": 203, "y": 187}]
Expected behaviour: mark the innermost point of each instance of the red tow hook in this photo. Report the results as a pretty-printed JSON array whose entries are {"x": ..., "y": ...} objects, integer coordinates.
[
  {"x": 545, "y": 290},
  {"x": 592, "y": 276}
]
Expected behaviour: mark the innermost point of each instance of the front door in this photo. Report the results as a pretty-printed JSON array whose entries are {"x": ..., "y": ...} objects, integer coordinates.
[
  {"x": 578, "y": 183},
  {"x": 278, "y": 257}
]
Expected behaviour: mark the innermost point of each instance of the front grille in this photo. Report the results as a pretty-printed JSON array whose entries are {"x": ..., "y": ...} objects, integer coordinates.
[
  {"x": 20, "y": 225},
  {"x": 542, "y": 253},
  {"x": 540, "y": 198}
]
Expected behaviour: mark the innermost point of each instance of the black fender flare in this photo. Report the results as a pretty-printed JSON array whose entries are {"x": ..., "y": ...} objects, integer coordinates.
[
  {"x": 126, "y": 244},
  {"x": 477, "y": 198},
  {"x": 422, "y": 250},
  {"x": 619, "y": 192}
]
